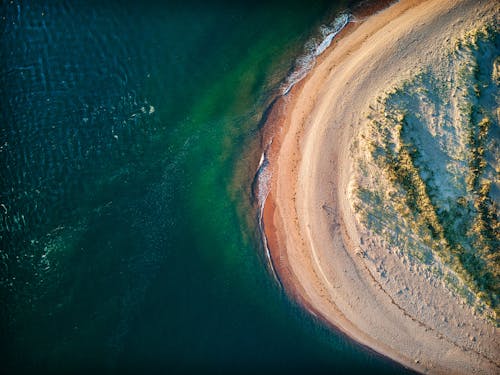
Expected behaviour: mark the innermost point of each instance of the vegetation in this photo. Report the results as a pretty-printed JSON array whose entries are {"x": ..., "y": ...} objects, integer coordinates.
[{"x": 434, "y": 139}]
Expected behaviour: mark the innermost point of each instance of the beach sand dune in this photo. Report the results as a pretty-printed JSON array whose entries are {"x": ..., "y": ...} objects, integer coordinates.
[{"x": 311, "y": 231}]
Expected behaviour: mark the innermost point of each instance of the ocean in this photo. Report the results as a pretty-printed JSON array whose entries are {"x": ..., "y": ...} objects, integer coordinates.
[{"x": 129, "y": 141}]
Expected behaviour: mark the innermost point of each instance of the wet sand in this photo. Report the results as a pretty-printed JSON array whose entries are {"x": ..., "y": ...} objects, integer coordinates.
[{"x": 312, "y": 235}]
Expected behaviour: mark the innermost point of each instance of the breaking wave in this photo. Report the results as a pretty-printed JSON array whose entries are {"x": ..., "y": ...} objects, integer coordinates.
[{"x": 314, "y": 48}]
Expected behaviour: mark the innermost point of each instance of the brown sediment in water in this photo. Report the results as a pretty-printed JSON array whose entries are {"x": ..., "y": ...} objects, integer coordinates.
[{"x": 311, "y": 234}]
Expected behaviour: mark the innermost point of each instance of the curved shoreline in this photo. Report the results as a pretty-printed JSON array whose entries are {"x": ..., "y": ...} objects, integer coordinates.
[{"x": 312, "y": 236}]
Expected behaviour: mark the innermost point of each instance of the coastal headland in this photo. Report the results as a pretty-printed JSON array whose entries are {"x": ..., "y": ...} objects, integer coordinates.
[{"x": 322, "y": 255}]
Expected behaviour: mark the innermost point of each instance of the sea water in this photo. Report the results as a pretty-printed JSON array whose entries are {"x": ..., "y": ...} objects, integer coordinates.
[{"x": 127, "y": 147}]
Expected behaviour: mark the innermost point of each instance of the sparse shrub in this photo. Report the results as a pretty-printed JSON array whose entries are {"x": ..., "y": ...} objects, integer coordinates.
[{"x": 461, "y": 232}]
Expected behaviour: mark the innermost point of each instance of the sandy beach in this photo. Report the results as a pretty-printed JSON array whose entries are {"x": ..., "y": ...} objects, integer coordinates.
[{"x": 311, "y": 231}]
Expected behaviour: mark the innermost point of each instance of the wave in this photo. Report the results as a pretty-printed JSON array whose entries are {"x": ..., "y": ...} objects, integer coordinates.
[
  {"x": 261, "y": 191},
  {"x": 263, "y": 177},
  {"x": 303, "y": 64}
]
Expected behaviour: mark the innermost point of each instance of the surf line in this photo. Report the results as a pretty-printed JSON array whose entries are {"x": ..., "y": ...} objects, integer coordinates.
[{"x": 302, "y": 66}]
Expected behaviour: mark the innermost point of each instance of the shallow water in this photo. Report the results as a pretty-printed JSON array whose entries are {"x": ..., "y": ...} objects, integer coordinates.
[{"x": 128, "y": 239}]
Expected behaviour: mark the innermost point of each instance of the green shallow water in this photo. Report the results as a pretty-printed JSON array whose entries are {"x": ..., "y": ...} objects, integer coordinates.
[{"x": 128, "y": 237}]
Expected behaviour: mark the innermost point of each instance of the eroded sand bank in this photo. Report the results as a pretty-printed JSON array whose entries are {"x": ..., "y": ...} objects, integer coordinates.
[{"x": 311, "y": 231}]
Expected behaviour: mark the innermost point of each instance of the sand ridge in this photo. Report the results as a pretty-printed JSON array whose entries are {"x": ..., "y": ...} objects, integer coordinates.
[{"x": 312, "y": 234}]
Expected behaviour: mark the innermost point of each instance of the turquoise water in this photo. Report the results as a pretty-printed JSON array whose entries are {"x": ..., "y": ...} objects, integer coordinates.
[{"x": 129, "y": 141}]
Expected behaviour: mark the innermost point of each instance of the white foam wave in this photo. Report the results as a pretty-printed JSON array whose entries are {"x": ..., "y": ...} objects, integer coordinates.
[
  {"x": 315, "y": 48},
  {"x": 263, "y": 176},
  {"x": 263, "y": 180}
]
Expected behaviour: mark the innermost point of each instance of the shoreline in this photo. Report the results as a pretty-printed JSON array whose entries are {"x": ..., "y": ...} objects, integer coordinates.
[
  {"x": 273, "y": 120},
  {"x": 300, "y": 264}
]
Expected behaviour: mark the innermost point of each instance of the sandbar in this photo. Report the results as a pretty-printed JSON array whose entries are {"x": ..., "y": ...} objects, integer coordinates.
[{"x": 311, "y": 232}]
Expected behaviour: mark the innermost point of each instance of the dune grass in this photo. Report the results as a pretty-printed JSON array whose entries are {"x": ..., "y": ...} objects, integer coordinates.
[{"x": 427, "y": 176}]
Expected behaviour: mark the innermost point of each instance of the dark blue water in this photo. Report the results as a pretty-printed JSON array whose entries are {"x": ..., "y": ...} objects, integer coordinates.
[{"x": 127, "y": 148}]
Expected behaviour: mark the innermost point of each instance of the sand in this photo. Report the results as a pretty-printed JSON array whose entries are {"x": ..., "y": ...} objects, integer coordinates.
[{"x": 312, "y": 234}]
